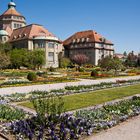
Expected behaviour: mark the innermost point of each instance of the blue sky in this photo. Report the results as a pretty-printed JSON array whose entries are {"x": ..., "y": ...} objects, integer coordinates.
[{"x": 117, "y": 20}]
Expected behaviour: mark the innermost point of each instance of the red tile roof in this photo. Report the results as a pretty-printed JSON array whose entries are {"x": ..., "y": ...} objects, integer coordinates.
[
  {"x": 92, "y": 35},
  {"x": 29, "y": 32},
  {"x": 11, "y": 11}
]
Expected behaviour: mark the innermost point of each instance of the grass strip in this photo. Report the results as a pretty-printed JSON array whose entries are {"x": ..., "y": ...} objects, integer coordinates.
[{"x": 77, "y": 101}]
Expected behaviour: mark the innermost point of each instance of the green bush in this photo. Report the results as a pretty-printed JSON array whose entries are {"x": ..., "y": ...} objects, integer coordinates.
[
  {"x": 52, "y": 69},
  {"x": 81, "y": 69},
  {"x": 94, "y": 73},
  {"x": 123, "y": 68},
  {"x": 31, "y": 76},
  {"x": 97, "y": 69}
]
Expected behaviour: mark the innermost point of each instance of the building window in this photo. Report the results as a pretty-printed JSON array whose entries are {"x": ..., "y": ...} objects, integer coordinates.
[
  {"x": 41, "y": 45},
  {"x": 71, "y": 46},
  {"x": 51, "y": 56},
  {"x": 15, "y": 25},
  {"x": 5, "y": 39},
  {"x": 73, "y": 40},
  {"x": 78, "y": 40},
  {"x": 87, "y": 39},
  {"x": 51, "y": 45}
]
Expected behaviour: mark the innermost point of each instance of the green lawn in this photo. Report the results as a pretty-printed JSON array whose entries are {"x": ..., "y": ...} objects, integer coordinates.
[{"x": 82, "y": 100}]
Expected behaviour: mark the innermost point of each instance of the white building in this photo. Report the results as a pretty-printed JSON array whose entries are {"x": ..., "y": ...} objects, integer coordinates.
[{"x": 89, "y": 43}]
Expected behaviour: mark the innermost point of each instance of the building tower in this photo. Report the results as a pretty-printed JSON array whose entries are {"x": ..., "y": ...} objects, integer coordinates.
[{"x": 11, "y": 18}]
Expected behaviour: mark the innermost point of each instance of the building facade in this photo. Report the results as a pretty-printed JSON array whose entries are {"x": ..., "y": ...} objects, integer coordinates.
[
  {"x": 13, "y": 29},
  {"x": 89, "y": 43}
]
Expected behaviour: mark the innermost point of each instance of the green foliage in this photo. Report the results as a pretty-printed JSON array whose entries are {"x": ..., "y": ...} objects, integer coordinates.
[
  {"x": 97, "y": 69},
  {"x": 31, "y": 59},
  {"x": 31, "y": 76},
  {"x": 64, "y": 62},
  {"x": 51, "y": 106},
  {"x": 81, "y": 69},
  {"x": 4, "y": 60},
  {"x": 8, "y": 113},
  {"x": 132, "y": 60},
  {"x": 5, "y": 47},
  {"x": 18, "y": 58},
  {"x": 110, "y": 63},
  {"x": 36, "y": 59},
  {"x": 94, "y": 73},
  {"x": 77, "y": 101},
  {"x": 52, "y": 69}
]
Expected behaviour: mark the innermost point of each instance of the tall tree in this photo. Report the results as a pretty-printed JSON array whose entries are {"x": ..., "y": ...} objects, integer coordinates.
[
  {"x": 64, "y": 62},
  {"x": 36, "y": 59},
  {"x": 125, "y": 53},
  {"x": 138, "y": 60},
  {"x": 5, "y": 47},
  {"x": 110, "y": 63},
  {"x": 4, "y": 60},
  {"x": 19, "y": 58},
  {"x": 131, "y": 60}
]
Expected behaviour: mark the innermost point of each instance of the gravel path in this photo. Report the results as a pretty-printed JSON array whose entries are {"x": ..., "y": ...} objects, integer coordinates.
[
  {"x": 129, "y": 130},
  {"x": 47, "y": 87}
]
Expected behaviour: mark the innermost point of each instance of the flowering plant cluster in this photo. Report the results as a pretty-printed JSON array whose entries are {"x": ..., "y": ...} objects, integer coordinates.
[
  {"x": 8, "y": 113},
  {"x": 86, "y": 88},
  {"x": 111, "y": 114},
  {"x": 73, "y": 126},
  {"x": 14, "y": 82}
]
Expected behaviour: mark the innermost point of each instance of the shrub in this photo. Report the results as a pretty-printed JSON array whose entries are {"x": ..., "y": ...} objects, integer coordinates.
[
  {"x": 123, "y": 68},
  {"x": 94, "y": 73},
  {"x": 81, "y": 69},
  {"x": 98, "y": 69},
  {"x": 52, "y": 69},
  {"x": 31, "y": 76},
  {"x": 64, "y": 62}
]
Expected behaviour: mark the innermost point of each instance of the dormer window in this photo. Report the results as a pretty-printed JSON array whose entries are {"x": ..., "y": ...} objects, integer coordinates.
[
  {"x": 14, "y": 37},
  {"x": 73, "y": 40},
  {"x": 78, "y": 40},
  {"x": 82, "y": 39},
  {"x": 87, "y": 39}
]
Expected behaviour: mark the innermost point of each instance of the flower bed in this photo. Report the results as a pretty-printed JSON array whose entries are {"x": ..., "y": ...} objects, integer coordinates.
[
  {"x": 86, "y": 88},
  {"x": 76, "y": 125},
  {"x": 67, "y": 91},
  {"x": 8, "y": 113}
]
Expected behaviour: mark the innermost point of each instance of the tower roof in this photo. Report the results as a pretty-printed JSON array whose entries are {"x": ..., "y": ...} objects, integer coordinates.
[{"x": 11, "y": 10}]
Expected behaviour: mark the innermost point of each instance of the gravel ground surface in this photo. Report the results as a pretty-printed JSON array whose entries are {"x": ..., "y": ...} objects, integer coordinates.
[
  {"x": 47, "y": 87},
  {"x": 129, "y": 130}
]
